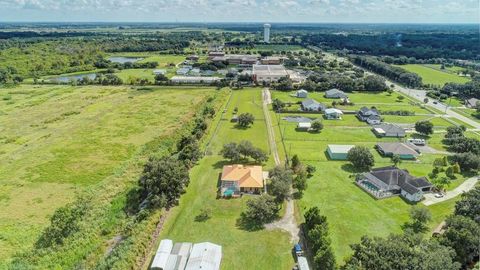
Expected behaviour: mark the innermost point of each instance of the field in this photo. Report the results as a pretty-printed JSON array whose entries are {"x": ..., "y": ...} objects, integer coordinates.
[
  {"x": 60, "y": 140},
  {"x": 434, "y": 76},
  {"x": 351, "y": 212},
  {"x": 241, "y": 248}
]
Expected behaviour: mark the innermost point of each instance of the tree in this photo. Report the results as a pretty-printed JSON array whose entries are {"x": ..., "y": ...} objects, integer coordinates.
[
  {"x": 419, "y": 218},
  {"x": 463, "y": 235},
  {"x": 230, "y": 151},
  {"x": 396, "y": 160},
  {"x": 160, "y": 78},
  {"x": 316, "y": 234},
  {"x": 424, "y": 127},
  {"x": 399, "y": 252},
  {"x": 278, "y": 105},
  {"x": 190, "y": 153},
  {"x": 400, "y": 98},
  {"x": 317, "y": 125},
  {"x": 469, "y": 205},
  {"x": 374, "y": 83},
  {"x": 361, "y": 157},
  {"x": 425, "y": 100},
  {"x": 281, "y": 181},
  {"x": 162, "y": 182},
  {"x": 310, "y": 170},
  {"x": 245, "y": 148},
  {"x": 295, "y": 163},
  {"x": 449, "y": 172},
  {"x": 300, "y": 183},
  {"x": 245, "y": 120},
  {"x": 258, "y": 155},
  {"x": 467, "y": 161},
  {"x": 261, "y": 209}
]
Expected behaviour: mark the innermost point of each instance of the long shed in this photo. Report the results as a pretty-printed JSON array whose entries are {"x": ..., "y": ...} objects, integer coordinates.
[{"x": 338, "y": 152}]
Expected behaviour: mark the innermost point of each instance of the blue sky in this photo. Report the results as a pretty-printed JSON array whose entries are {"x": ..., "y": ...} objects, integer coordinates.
[{"x": 390, "y": 11}]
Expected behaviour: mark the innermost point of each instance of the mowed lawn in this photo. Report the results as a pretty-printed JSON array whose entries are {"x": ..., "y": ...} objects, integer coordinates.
[
  {"x": 56, "y": 140},
  {"x": 434, "y": 76},
  {"x": 352, "y": 212},
  {"x": 241, "y": 249}
]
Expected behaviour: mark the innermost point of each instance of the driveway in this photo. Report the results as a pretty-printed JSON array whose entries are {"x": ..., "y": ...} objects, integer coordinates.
[{"x": 464, "y": 187}]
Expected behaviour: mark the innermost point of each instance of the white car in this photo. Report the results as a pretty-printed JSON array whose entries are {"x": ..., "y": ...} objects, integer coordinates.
[{"x": 439, "y": 195}]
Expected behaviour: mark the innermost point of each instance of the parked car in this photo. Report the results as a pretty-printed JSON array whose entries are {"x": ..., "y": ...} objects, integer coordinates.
[
  {"x": 439, "y": 195},
  {"x": 435, "y": 102},
  {"x": 298, "y": 250}
]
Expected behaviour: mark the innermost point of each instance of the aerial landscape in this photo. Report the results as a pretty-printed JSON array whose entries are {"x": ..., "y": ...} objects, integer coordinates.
[{"x": 205, "y": 135}]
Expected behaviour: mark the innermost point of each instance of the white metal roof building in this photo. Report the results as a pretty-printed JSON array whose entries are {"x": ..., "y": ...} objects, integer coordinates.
[
  {"x": 302, "y": 263},
  {"x": 161, "y": 257},
  {"x": 182, "y": 252},
  {"x": 205, "y": 256},
  {"x": 304, "y": 125},
  {"x": 269, "y": 73},
  {"x": 194, "y": 79}
]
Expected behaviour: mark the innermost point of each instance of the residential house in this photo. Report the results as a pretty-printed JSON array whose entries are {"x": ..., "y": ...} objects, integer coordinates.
[
  {"x": 193, "y": 57},
  {"x": 159, "y": 71},
  {"x": 237, "y": 179},
  {"x": 338, "y": 152},
  {"x": 335, "y": 93},
  {"x": 371, "y": 116},
  {"x": 333, "y": 114},
  {"x": 302, "y": 93},
  {"x": 403, "y": 150},
  {"x": 388, "y": 130},
  {"x": 391, "y": 181},
  {"x": 471, "y": 103},
  {"x": 312, "y": 105}
]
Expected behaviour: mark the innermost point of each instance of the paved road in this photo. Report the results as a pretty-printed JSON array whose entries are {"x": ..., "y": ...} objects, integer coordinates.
[
  {"x": 464, "y": 187},
  {"x": 420, "y": 95},
  {"x": 287, "y": 222}
]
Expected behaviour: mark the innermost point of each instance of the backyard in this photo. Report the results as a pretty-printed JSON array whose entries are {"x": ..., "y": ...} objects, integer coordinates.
[{"x": 241, "y": 248}]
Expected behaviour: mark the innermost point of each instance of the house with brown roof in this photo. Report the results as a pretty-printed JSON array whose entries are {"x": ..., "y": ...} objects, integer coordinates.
[{"x": 237, "y": 179}]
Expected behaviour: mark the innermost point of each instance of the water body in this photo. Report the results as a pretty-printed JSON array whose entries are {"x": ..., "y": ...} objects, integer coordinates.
[
  {"x": 123, "y": 60},
  {"x": 69, "y": 78}
]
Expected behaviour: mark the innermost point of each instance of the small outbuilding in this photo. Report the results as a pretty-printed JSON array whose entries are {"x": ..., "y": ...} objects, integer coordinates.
[
  {"x": 304, "y": 125},
  {"x": 338, "y": 152},
  {"x": 159, "y": 71},
  {"x": 333, "y": 114},
  {"x": 302, "y": 93}
]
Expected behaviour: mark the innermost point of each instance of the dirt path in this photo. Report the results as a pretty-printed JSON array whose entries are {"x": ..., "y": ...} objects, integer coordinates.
[
  {"x": 464, "y": 187},
  {"x": 287, "y": 222}
]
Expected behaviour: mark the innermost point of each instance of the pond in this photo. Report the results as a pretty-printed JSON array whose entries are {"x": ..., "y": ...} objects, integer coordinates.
[
  {"x": 69, "y": 78},
  {"x": 123, "y": 59}
]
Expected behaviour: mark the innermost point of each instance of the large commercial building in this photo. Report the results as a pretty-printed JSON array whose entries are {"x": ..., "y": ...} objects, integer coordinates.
[
  {"x": 194, "y": 79},
  {"x": 269, "y": 73},
  {"x": 266, "y": 33}
]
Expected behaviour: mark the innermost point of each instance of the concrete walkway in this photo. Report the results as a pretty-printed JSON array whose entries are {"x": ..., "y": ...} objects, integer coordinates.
[{"x": 464, "y": 187}]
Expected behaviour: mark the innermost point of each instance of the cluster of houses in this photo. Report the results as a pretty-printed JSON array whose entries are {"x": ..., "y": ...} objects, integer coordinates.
[{"x": 187, "y": 256}]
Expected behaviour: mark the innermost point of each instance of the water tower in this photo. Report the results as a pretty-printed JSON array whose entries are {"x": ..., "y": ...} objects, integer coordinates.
[{"x": 266, "y": 33}]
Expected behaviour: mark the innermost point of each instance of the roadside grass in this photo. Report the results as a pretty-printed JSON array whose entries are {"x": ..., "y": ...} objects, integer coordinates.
[
  {"x": 241, "y": 248},
  {"x": 432, "y": 76},
  {"x": 467, "y": 112},
  {"x": 59, "y": 140}
]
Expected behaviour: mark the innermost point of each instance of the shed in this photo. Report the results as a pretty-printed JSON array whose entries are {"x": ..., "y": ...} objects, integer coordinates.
[
  {"x": 304, "y": 125},
  {"x": 338, "y": 152},
  {"x": 302, "y": 93},
  {"x": 205, "y": 256},
  {"x": 160, "y": 261},
  {"x": 332, "y": 113}
]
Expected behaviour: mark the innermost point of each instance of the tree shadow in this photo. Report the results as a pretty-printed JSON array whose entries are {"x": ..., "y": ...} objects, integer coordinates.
[
  {"x": 247, "y": 224},
  {"x": 351, "y": 169}
]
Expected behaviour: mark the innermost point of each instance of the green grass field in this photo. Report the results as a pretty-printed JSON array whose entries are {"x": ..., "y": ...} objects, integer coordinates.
[
  {"x": 434, "y": 76},
  {"x": 59, "y": 140},
  {"x": 351, "y": 212},
  {"x": 241, "y": 249}
]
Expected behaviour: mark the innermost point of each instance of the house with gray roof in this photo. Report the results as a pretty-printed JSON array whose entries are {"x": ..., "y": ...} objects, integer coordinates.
[
  {"x": 369, "y": 115},
  {"x": 403, "y": 150},
  {"x": 311, "y": 105},
  {"x": 302, "y": 93},
  {"x": 388, "y": 130},
  {"x": 391, "y": 181},
  {"x": 335, "y": 93}
]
